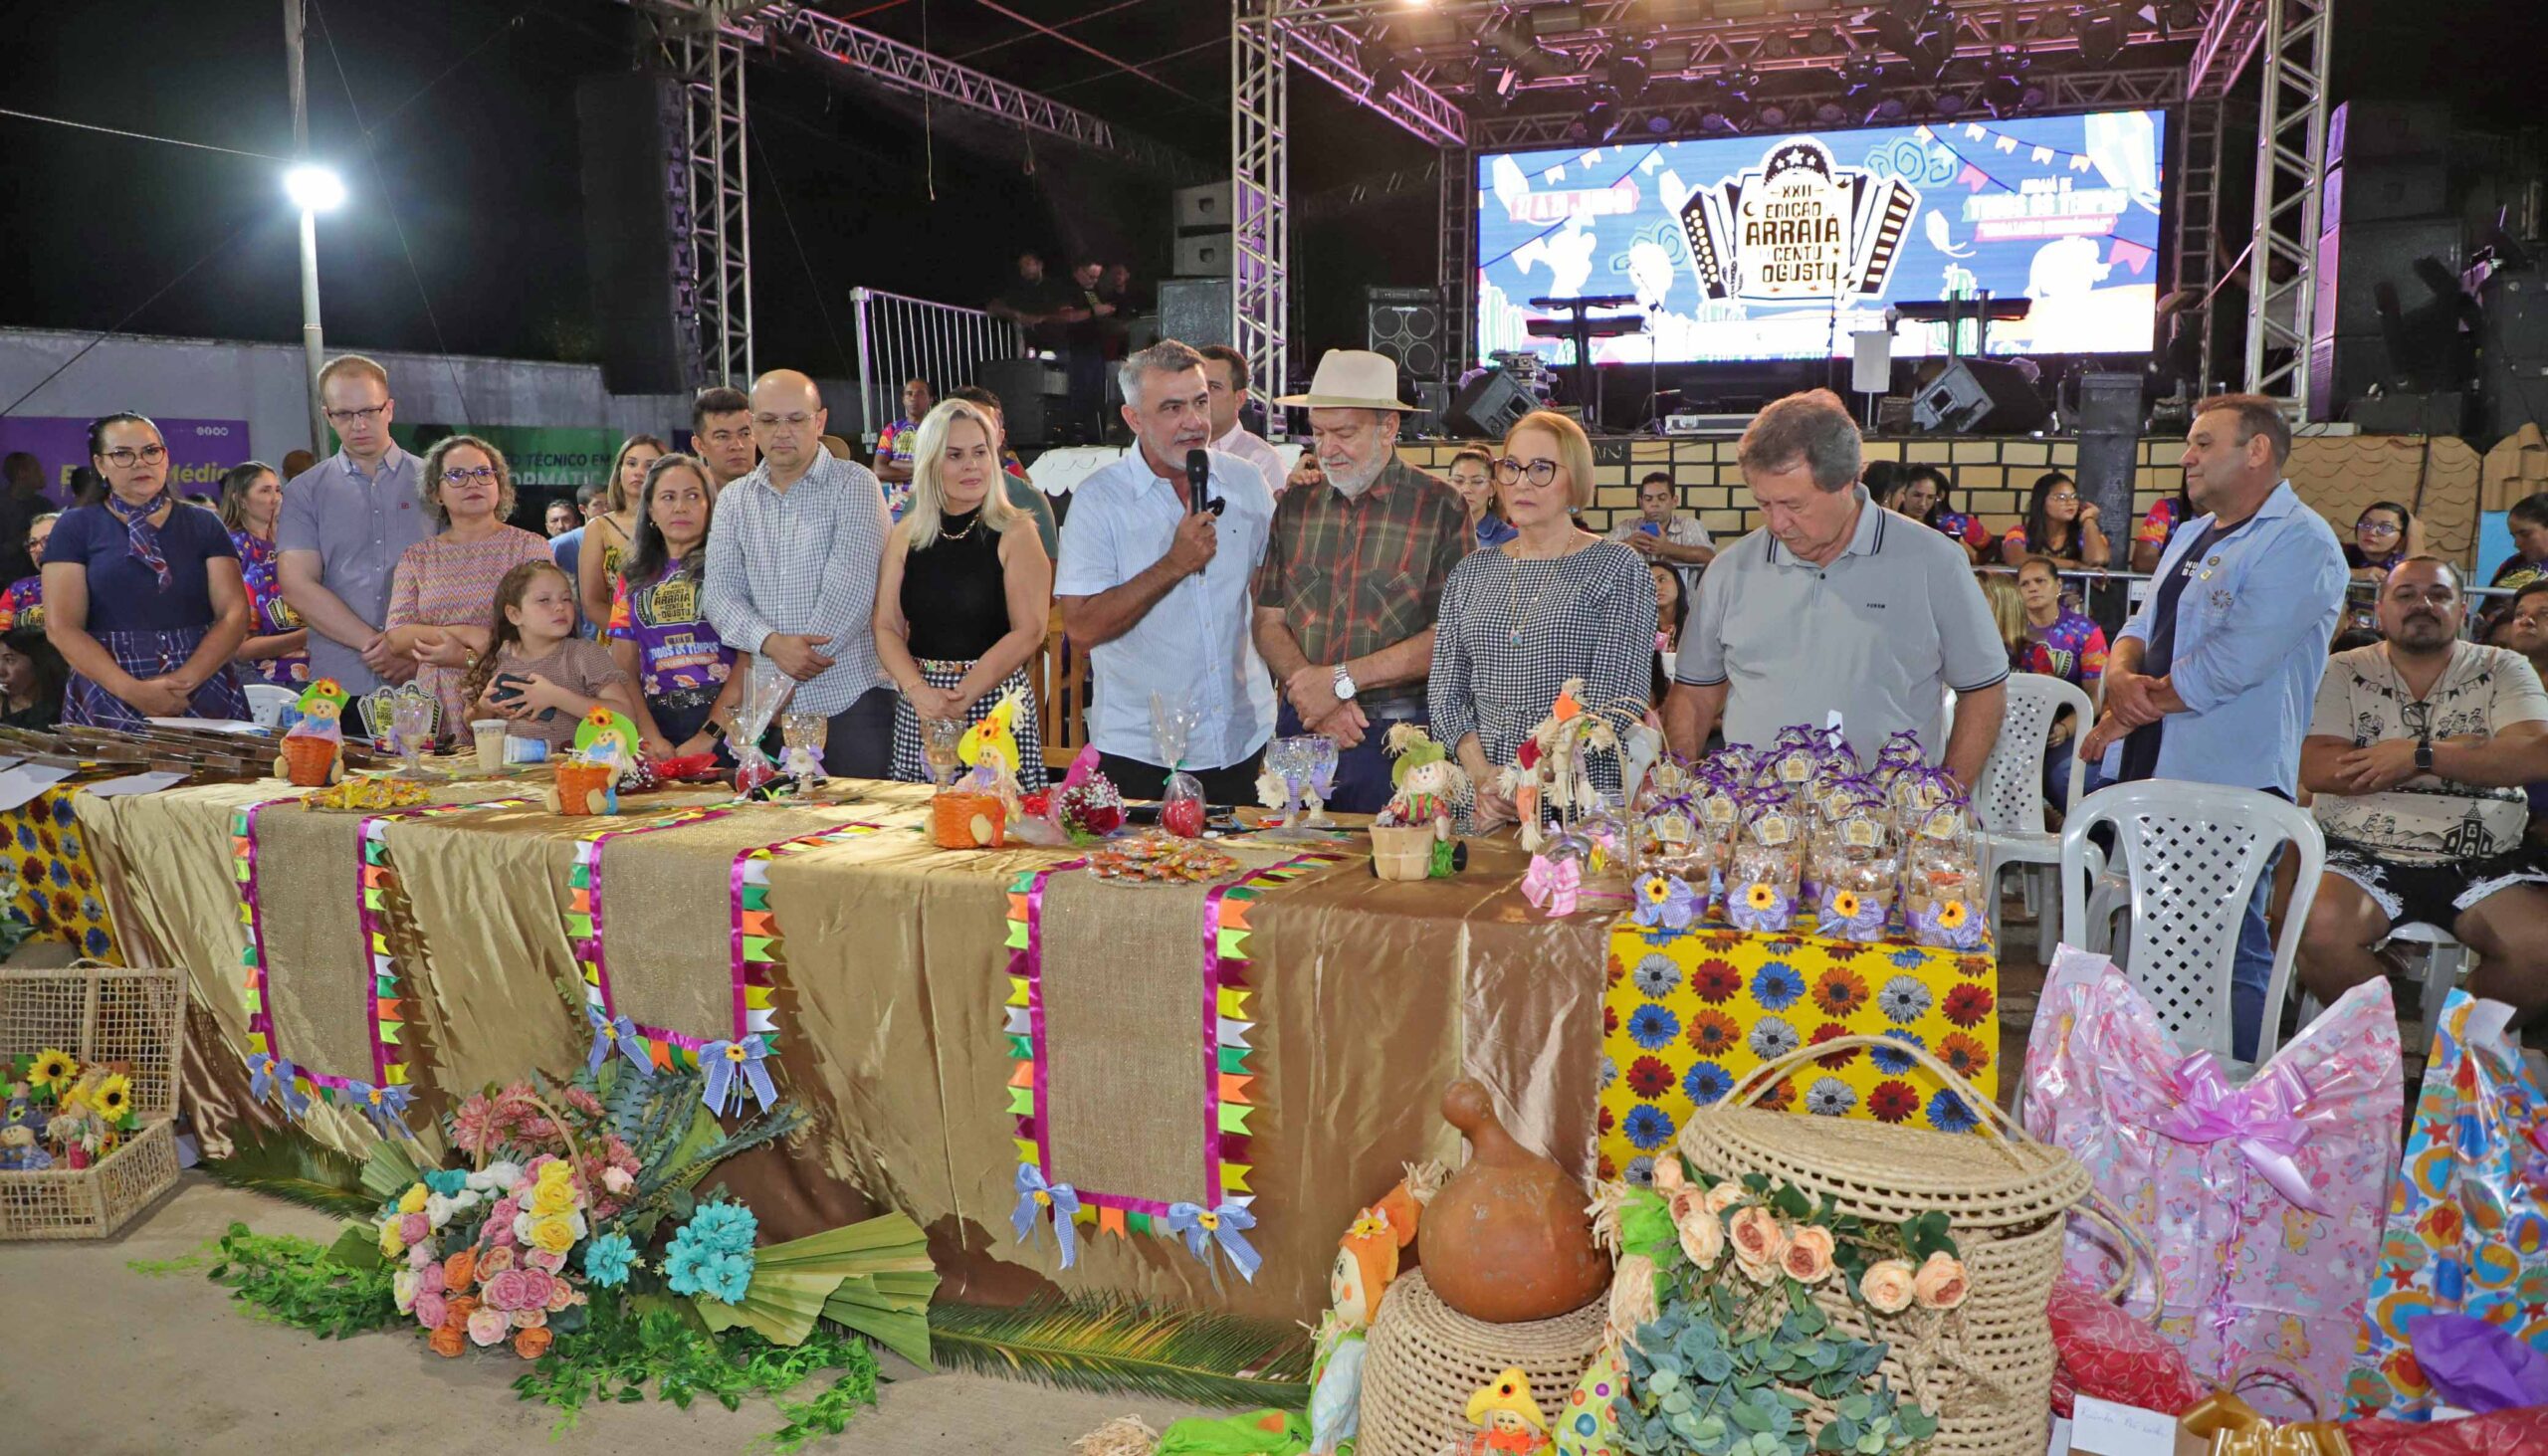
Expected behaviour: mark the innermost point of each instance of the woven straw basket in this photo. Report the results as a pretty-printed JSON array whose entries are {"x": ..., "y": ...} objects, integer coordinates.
[
  {"x": 1986, "y": 1369},
  {"x": 128, "y": 1018},
  {"x": 1427, "y": 1360}
]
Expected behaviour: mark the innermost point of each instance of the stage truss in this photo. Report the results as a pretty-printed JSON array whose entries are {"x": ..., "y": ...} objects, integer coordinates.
[{"x": 2208, "y": 46}]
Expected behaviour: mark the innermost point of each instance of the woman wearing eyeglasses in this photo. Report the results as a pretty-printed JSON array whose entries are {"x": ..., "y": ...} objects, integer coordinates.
[
  {"x": 438, "y": 596},
  {"x": 2382, "y": 538},
  {"x": 2058, "y": 525},
  {"x": 142, "y": 595},
  {"x": 1552, "y": 603}
]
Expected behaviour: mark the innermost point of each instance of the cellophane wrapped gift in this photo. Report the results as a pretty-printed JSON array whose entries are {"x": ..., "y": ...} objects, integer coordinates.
[
  {"x": 2467, "y": 1226},
  {"x": 2108, "y": 1352},
  {"x": 2262, "y": 1201}
]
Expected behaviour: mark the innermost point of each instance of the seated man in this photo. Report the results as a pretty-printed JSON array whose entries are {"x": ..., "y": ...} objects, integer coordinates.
[{"x": 2416, "y": 752}]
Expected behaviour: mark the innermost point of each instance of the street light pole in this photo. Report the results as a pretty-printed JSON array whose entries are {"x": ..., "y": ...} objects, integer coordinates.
[{"x": 313, "y": 346}]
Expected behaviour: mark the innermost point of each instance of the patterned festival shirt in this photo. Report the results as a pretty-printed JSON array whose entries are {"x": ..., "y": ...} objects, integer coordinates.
[
  {"x": 22, "y": 605},
  {"x": 897, "y": 445},
  {"x": 1966, "y": 529},
  {"x": 269, "y": 614},
  {"x": 2073, "y": 649},
  {"x": 680, "y": 658}
]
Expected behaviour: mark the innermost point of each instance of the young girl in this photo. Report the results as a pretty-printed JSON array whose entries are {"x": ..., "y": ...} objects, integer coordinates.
[
  {"x": 685, "y": 672},
  {"x": 532, "y": 639}
]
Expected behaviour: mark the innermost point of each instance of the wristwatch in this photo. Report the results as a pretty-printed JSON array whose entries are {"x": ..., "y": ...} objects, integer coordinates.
[
  {"x": 1345, "y": 689},
  {"x": 2423, "y": 755}
]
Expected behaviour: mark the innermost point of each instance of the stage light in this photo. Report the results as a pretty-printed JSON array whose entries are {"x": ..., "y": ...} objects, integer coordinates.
[
  {"x": 1377, "y": 60},
  {"x": 1886, "y": 108},
  {"x": 1628, "y": 77},
  {"x": 1668, "y": 60},
  {"x": 1826, "y": 42},
  {"x": 1829, "y": 113},
  {"x": 314, "y": 188},
  {"x": 2102, "y": 37},
  {"x": 1948, "y": 104},
  {"x": 1555, "y": 20},
  {"x": 2056, "y": 25},
  {"x": 1774, "y": 114},
  {"x": 2182, "y": 15},
  {"x": 1776, "y": 45}
]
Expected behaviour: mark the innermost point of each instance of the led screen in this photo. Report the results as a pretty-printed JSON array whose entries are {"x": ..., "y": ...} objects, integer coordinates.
[{"x": 1782, "y": 246}]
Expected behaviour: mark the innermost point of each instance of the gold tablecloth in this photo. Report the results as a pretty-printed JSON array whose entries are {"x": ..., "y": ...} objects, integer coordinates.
[{"x": 1370, "y": 996}]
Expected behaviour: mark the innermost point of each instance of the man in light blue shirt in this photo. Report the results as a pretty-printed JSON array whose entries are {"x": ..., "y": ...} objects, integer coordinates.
[
  {"x": 344, "y": 523},
  {"x": 2214, "y": 679},
  {"x": 1158, "y": 588},
  {"x": 792, "y": 560}
]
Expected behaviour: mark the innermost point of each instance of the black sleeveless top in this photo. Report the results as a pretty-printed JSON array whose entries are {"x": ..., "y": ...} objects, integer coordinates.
[{"x": 955, "y": 593}]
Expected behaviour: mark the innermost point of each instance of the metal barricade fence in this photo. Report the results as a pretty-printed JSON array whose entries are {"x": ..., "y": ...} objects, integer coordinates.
[
  {"x": 2079, "y": 581},
  {"x": 901, "y": 336}
]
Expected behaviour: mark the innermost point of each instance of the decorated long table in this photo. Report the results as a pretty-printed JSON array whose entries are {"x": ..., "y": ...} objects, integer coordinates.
[{"x": 486, "y": 938}]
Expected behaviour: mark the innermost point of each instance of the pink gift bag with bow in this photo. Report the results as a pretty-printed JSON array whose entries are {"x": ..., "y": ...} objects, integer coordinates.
[{"x": 2263, "y": 1200}]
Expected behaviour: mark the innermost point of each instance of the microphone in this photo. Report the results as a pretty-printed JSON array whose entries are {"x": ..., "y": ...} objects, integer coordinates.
[{"x": 1198, "y": 480}]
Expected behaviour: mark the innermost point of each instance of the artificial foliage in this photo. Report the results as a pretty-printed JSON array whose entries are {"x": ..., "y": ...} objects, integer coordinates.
[
  {"x": 1124, "y": 1347},
  {"x": 285, "y": 1164},
  {"x": 297, "y": 1282},
  {"x": 659, "y": 1342}
]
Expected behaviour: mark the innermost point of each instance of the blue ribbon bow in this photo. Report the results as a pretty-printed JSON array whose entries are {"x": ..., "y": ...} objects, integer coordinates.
[
  {"x": 386, "y": 1107},
  {"x": 619, "y": 1031},
  {"x": 733, "y": 1068},
  {"x": 1033, "y": 1196},
  {"x": 269, "y": 1074},
  {"x": 1204, "y": 1227}
]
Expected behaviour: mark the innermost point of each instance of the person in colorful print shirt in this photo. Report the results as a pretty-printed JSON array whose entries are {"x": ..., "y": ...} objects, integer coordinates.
[
  {"x": 2062, "y": 642},
  {"x": 2161, "y": 521},
  {"x": 893, "y": 447},
  {"x": 277, "y": 651},
  {"x": 21, "y": 602},
  {"x": 1921, "y": 494},
  {"x": 658, "y": 634}
]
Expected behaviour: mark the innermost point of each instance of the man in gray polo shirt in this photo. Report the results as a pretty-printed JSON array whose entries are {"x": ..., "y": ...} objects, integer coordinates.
[
  {"x": 344, "y": 523},
  {"x": 1836, "y": 605}
]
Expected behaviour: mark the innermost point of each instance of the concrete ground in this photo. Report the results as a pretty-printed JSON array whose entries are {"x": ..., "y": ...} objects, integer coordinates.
[{"x": 97, "y": 1359}]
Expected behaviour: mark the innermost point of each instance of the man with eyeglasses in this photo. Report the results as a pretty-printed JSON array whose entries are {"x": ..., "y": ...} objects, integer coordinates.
[
  {"x": 2416, "y": 754},
  {"x": 346, "y": 521},
  {"x": 1663, "y": 535},
  {"x": 792, "y": 557}
]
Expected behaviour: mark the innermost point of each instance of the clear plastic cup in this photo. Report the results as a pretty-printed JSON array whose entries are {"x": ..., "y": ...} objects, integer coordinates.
[{"x": 488, "y": 735}]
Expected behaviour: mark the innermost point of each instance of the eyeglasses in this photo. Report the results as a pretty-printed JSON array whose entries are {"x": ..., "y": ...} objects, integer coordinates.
[
  {"x": 127, "y": 459},
  {"x": 369, "y": 415},
  {"x": 2062, "y": 497},
  {"x": 483, "y": 475},
  {"x": 1511, "y": 470},
  {"x": 2375, "y": 527}
]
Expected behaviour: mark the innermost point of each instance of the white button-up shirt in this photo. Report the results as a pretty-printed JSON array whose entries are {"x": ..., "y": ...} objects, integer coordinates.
[
  {"x": 803, "y": 560},
  {"x": 1255, "y": 452},
  {"x": 1196, "y": 643}
]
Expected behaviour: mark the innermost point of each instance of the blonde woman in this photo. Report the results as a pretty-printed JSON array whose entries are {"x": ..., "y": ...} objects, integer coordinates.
[
  {"x": 611, "y": 536},
  {"x": 963, "y": 594},
  {"x": 438, "y": 593},
  {"x": 1519, "y": 619},
  {"x": 2008, "y": 613}
]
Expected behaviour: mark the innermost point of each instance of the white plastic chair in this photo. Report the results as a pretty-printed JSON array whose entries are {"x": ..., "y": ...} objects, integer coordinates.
[
  {"x": 2008, "y": 797},
  {"x": 266, "y": 703},
  {"x": 2446, "y": 964},
  {"x": 2189, "y": 856}
]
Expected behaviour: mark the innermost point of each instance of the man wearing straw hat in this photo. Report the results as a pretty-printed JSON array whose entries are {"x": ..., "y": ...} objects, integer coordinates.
[{"x": 1353, "y": 576}]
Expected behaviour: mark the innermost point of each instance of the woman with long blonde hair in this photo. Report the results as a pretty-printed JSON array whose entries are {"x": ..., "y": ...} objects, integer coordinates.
[
  {"x": 611, "y": 536},
  {"x": 963, "y": 594}
]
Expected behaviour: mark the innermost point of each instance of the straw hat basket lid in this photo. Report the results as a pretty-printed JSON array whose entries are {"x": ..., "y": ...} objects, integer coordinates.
[{"x": 1986, "y": 1368}]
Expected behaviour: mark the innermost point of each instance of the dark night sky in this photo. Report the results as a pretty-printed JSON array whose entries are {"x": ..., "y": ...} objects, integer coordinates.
[{"x": 482, "y": 167}]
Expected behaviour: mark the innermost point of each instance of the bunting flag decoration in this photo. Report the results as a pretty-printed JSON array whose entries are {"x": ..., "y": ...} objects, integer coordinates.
[
  {"x": 1212, "y": 1227},
  {"x": 384, "y": 1096}
]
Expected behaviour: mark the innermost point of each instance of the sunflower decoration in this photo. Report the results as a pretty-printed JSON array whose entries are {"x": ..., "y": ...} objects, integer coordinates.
[
  {"x": 54, "y": 1071},
  {"x": 1844, "y": 904},
  {"x": 113, "y": 1099},
  {"x": 1950, "y": 915},
  {"x": 1761, "y": 897}
]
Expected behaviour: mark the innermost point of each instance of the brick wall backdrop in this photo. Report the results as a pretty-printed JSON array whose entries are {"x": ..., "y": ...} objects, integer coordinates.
[{"x": 2337, "y": 475}]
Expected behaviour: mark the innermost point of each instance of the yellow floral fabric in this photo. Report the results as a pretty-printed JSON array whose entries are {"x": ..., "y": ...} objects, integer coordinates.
[
  {"x": 1686, "y": 1014},
  {"x": 56, "y": 884}
]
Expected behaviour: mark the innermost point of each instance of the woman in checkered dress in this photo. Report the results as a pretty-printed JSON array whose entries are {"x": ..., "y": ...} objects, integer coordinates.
[
  {"x": 1552, "y": 603},
  {"x": 963, "y": 596}
]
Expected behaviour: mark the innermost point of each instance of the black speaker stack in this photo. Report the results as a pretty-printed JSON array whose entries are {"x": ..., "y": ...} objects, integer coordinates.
[
  {"x": 2388, "y": 243},
  {"x": 1407, "y": 326},
  {"x": 645, "y": 292}
]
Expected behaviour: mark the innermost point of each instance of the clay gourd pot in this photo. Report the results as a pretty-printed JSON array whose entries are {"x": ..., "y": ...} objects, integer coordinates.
[{"x": 1506, "y": 1239}]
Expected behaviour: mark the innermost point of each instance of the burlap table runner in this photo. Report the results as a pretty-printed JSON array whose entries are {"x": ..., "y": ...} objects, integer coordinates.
[
  {"x": 667, "y": 918},
  {"x": 318, "y": 982},
  {"x": 1126, "y": 1042}
]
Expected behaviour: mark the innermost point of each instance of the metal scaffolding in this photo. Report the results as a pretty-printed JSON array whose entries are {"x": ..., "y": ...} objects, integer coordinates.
[
  {"x": 1455, "y": 265},
  {"x": 2292, "y": 155},
  {"x": 720, "y": 252},
  {"x": 1260, "y": 193},
  {"x": 2198, "y": 139}
]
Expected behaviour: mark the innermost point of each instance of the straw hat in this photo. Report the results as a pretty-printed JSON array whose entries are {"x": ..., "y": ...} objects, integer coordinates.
[{"x": 1351, "y": 379}]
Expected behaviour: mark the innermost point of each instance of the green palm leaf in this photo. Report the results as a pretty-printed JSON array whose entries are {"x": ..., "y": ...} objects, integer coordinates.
[
  {"x": 1115, "y": 1347},
  {"x": 287, "y": 1166}
]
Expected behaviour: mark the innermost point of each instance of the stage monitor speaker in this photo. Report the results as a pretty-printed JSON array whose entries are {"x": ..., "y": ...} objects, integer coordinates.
[
  {"x": 1203, "y": 255},
  {"x": 2386, "y": 189},
  {"x": 2353, "y": 259},
  {"x": 1025, "y": 389},
  {"x": 2110, "y": 428},
  {"x": 2361, "y": 130},
  {"x": 1487, "y": 406},
  {"x": 1432, "y": 401},
  {"x": 645, "y": 295},
  {"x": 1203, "y": 209},
  {"x": 2344, "y": 368},
  {"x": 1196, "y": 310},
  {"x": 1978, "y": 397},
  {"x": 1407, "y": 326}
]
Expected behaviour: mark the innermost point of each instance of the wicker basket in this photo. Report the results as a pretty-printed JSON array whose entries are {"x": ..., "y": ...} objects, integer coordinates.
[
  {"x": 1427, "y": 1360},
  {"x": 1986, "y": 1371},
  {"x": 1403, "y": 852},
  {"x": 131, "y": 1018}
]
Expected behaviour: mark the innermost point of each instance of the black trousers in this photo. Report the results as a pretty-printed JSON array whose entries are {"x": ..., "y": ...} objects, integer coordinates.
[{"x": 1235, "y": 784}]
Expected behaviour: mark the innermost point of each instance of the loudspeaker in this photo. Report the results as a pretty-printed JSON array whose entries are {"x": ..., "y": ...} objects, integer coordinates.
[
  {"x": 1203, "y": 209},
  {"x": 1203, "y": 255},
  {"x": 2512, "y": 357},
  {"x": 1026, "y": 387},
  {"x": 2109, "y": 436},
  {"x": 1487, "y": 406},
  {"x": 1407, "y": 326},
  {"x": 2355, "y": 259},
  {"x": 1432, "y": 400},
  {"x": 2343, "y": 367},
  {"x": 1196, "y": 310},
  {"x": 1978, "y": 397},
  {"x": 637, "y": 248},
  {"x": 2372, "y": 128},
  {"x": 2383, "y": 189},
  {"x": 2446, "y": 413}
]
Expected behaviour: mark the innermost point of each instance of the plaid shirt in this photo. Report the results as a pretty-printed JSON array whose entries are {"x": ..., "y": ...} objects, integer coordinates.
[
  {"x": 1351, "y": 577},
  {"x": 802, "y": 562}
]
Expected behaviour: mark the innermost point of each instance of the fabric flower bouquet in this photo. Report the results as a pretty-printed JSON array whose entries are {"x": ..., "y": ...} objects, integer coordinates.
[
  {"x": 59, "y": 1113},
  {"x": 1725, "y": 1310}
]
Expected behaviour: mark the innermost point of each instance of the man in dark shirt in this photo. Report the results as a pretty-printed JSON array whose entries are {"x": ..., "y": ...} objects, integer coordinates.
[
  {"x": 21, "y": 502},
  {"x": 1039, "y": 305}
]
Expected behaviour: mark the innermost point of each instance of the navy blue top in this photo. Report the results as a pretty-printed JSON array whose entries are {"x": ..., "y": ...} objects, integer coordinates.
[{"x": 123, "y": 594}]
